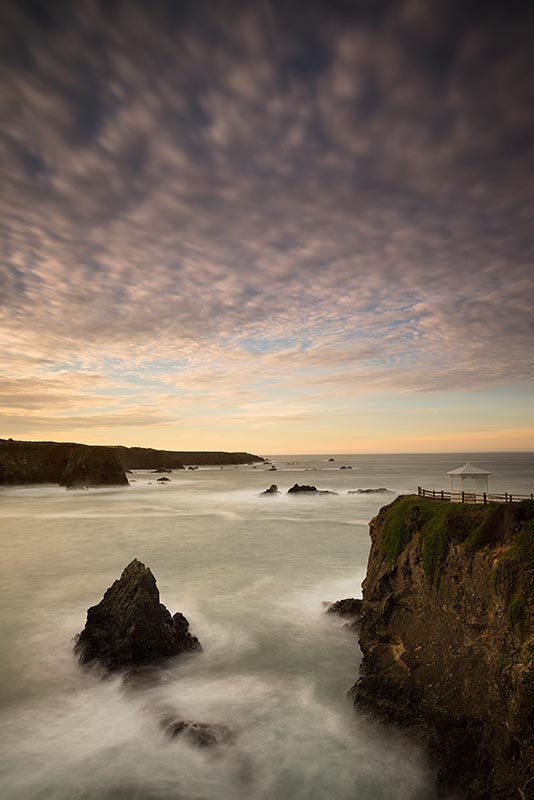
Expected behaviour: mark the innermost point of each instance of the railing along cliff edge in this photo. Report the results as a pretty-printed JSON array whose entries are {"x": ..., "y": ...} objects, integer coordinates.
[{"x": 473, "y": 497}]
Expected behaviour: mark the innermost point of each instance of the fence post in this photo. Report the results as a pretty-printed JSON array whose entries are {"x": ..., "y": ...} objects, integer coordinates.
[
  {"x": 442, "y": 494},
  {"x": 485, "y": 498},
  {"x": 419, "y": 491},
  {"x": 506, "y": 497},
  {"x": 463, "y": 496},
  {"x": 433, "y": 492},
  {"x": 511, "y": 500}
]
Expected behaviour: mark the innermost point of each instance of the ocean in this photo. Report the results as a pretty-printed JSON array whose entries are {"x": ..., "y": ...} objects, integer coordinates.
[{"x": 251, "y": 574}]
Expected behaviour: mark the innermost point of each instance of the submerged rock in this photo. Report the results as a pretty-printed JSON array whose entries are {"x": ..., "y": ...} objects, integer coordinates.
[
  {"x": 92, "y": 467},
  {"x": 130, "y": 627},
  {"x": 199, "y": 734},
  {"x": 303, "y": 489},
  {"x": 273, "y": 489}
]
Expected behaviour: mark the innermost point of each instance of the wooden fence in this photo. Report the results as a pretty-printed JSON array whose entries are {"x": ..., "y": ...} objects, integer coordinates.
[{"x": 473, "y": 497}]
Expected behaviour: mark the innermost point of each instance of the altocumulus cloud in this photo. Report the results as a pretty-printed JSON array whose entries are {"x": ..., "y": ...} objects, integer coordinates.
[{"x": 267, "y": 195}]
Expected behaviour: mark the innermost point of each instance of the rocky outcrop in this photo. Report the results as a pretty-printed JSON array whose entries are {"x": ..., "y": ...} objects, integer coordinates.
[
  {"x": 164, "y": 479},
  {"x": 92, "y": 467},
  {"x": 273, "y": 489},
  {"x": 349, "y": 607},
  {"x": 447, "y": 634},
  {"x": 130, "y": 627},
  {"x": 68, "y": 464},
  {"x": 304, "y": 489},
  {"x": 381, "y": 490}
]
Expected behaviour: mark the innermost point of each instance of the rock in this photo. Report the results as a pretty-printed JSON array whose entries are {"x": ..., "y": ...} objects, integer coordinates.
[
  {"x": 163, "y": 480},
  {"x": 272, "y": 469},
  {"x": 350, "y": 607},
  {"x": 130, "y": 627},
  {"x": 192, "y": 468},
  {"x": 162, "y": 469},
  {"x": 199, "y": 734},
  {"x": 382, "y": 490},
  {"x": 345, "y": 467},
  {"x": 331, "y": 459},
  {"x": 92, "y": 467},
  {"x": 273, "y": 489},
  {"x": 303, "y": 489}
]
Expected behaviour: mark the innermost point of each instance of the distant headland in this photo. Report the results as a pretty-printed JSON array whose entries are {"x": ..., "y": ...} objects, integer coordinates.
[{"x": 81, "y": 465}]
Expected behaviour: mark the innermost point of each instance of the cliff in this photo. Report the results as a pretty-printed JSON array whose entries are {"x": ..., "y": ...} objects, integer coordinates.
[
  {"x": 70, "y": 465},
  {"x": 74, "y": 465},
  {"x": 447, "y": 635},
  {"x": 148, "y": 458}
]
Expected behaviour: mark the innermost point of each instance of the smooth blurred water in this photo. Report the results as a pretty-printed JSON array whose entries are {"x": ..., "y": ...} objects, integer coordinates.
[{"x": 250, "y": 573}]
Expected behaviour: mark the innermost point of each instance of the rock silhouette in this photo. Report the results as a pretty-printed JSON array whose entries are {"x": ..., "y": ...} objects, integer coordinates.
[
  {"x": 130, "y": 627},
  {"x": 304, "y": 489},
  {"x": 273, "y": 489}
]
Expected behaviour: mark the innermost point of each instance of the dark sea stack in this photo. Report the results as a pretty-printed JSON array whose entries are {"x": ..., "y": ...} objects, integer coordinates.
[
  {"x": 304, "y": 489},
  {"x": 92, "y": 467},
  {"x": 272, "y": 490},
  {"x": 447, "y": 635},
  {"x": 130, "y": 627}
]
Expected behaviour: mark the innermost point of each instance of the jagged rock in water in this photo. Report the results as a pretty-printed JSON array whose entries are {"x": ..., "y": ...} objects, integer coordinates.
[
  {"x": 273, "y": 489},
  {"x": 345, "y": 467},
  {"x": 381, "y": 490},
  {"x": 162, "y": 469},
  {"x": 130, "y": 627},
  {"x": 199, "y": 734},
  {"x": 92, "y": 467},
  {"x": 349, "y": 607},
  {"x": 303, "y": 489},
  {"x": 163, "y": 480}
]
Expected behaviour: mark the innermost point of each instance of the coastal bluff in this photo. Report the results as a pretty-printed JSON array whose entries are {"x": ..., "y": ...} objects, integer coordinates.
[
  {"x": 67, "y": 464},
  {"x": 447, "y": 635},
  {"x": 81, "y": 466},
  {"x": 149, "y": 458}
]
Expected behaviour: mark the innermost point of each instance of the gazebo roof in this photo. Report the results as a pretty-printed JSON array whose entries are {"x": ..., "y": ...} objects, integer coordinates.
[{"x": 468, "y": 469}]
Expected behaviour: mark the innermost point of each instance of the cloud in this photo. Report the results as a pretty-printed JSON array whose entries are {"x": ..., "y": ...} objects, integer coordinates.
[{"x": 250, "y": 199}]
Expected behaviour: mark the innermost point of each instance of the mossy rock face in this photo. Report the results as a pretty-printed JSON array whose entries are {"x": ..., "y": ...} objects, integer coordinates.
[
  {"x": 439, "y": 522},
  {"x": 513, "y": 576}
]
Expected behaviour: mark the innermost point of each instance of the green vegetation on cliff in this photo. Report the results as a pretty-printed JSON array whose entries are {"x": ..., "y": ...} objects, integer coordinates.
[
  {"x": 439, "y": 522},
  {"x": 513, "y": 576}
]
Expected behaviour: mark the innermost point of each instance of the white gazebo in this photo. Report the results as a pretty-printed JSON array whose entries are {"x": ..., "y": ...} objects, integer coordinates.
[{"x": 470, "y": 473}]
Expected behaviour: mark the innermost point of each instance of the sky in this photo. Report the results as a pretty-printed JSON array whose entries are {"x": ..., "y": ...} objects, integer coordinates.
[{"x": 280, "y": 227}]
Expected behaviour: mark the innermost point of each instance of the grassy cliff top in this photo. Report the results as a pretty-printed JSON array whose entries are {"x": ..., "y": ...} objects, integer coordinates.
[{"x": 439, "y": 522}]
